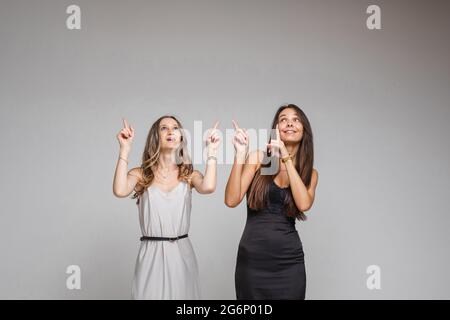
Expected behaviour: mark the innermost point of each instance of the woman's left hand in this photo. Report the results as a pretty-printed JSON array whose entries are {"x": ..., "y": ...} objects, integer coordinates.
[{"x": 277, "y": 146}]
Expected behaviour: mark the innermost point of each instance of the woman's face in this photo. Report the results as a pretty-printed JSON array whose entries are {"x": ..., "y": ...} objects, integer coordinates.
[
  {"x": 169, "y": 134},
  {"x": 290, "y": 126}
]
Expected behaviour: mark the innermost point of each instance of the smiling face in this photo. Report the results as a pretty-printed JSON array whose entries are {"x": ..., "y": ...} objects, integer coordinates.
[
  {"x": 290, "y": 126},
  {"x": 169, "y": 133}
]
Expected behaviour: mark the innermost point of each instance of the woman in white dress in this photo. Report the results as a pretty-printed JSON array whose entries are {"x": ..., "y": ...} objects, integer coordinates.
[{"x": 166, "y": 265}]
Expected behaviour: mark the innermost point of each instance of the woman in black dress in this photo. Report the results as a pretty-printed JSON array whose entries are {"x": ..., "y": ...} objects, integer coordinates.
[{"x": 280, "y": 186}]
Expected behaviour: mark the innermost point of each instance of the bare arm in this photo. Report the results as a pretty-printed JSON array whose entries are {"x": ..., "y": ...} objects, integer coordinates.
[
  {"x": 205, "y": 184},
  {"x": 303, "y": 197},
  {"x": 125, "y": 181},
  {"x": 243, "y": 170},
  {"x": 241, "y": 177}
]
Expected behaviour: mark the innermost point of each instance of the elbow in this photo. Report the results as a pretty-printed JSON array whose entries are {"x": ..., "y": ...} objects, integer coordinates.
[
  {"x": 230, "y": 203},
  {"x": 118, "y": 194},
  {"x": 305, "y": 208},
  {"x": 305, "y": 205},
  {"x": 209, "y": 189}
]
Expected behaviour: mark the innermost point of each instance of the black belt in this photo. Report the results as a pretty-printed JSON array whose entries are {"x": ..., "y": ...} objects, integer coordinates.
[{"x": 164, "y": 238}]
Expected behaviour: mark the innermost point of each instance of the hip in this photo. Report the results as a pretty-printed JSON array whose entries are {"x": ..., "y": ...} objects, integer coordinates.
[{"x": 266, "y": 247}]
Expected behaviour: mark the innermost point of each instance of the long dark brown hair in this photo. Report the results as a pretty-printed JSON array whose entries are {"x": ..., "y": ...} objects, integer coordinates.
[
  {"x": 257, "y": 195},
  {"x": 151, "y": 154}
]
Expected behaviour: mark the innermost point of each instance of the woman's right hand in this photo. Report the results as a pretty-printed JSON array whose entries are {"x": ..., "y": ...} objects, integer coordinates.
[
  {"x": 125, "y": 136},
  {"x": 240, "y": 140}
]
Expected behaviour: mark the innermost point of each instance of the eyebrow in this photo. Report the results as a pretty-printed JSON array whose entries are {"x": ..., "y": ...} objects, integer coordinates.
[{"x": 284, "y": 115}]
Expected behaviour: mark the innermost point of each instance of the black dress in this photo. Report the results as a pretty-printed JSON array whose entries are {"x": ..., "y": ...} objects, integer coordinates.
[{"x": 270, "y": 260}]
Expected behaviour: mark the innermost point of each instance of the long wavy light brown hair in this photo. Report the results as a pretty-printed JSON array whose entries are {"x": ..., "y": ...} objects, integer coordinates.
[
  {"x": 151, "y": 155},
  {"x": 257, "y": 195}
]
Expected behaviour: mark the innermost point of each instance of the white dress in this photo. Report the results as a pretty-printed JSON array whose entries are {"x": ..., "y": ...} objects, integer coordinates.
[{"x": 166, "y": 269}]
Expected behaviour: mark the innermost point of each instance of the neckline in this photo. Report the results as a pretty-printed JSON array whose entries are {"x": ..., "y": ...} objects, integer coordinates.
[
  {"x": 273, "y": 181},
  {"x": 167, "y": 192}
]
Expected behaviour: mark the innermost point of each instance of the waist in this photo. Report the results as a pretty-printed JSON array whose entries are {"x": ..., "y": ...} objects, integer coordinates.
[
  {"x": 146, "y": 238},
  {"x": 270, "y": 212},
  {"x": 265, "y": 222}
]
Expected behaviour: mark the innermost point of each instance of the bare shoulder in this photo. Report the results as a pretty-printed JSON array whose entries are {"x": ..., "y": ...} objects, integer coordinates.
[
  {"x": 195, "y": 174},
  {"x": 137, "y": 172}
]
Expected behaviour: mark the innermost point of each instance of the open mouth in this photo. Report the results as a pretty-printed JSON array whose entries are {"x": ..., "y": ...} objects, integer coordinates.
[{"x": 171, "y": 139}]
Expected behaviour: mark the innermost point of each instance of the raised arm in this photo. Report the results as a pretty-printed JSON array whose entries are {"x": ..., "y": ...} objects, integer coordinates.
[
  {"x": 125, "y": 181},
  {"x": 205, "y": 184},
  {"x": 243, "y": 170},
  {"x": 303, "y": 196}
]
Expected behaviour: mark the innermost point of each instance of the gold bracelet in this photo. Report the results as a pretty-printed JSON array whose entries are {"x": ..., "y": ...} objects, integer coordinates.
[
  {"x": 285, "y": 159},
  {"x": 124, "y": 159}
]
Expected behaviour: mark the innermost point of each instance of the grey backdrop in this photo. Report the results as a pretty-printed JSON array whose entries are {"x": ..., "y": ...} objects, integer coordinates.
[{"x": 378, "y": 102}]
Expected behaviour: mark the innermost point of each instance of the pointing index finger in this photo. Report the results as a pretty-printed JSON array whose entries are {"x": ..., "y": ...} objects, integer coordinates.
[
  {"x": 235, "y": 125},
  {"x": 125, "y": 123},
  {"x": 277, "y": 131}
]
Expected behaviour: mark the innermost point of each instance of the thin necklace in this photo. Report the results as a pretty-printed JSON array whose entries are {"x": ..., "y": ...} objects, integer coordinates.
[{"x": 160, "y": 172}]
